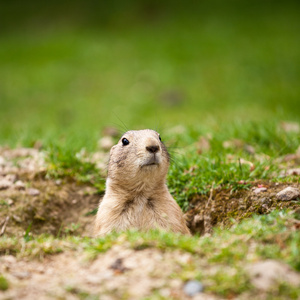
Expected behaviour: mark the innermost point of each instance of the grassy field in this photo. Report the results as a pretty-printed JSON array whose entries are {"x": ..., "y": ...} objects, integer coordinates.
[
  {"x": 203, "y": 67},
  {"x": 220, "y": 82}
]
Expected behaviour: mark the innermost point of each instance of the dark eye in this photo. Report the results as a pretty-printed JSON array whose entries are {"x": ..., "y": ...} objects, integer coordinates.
[
  {"x": 125, "y": 142},
  {"x": 159, "y": 137}
]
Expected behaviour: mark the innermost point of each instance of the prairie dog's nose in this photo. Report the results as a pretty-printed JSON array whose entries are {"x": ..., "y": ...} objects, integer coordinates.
[{"x": 152, "y": 148}]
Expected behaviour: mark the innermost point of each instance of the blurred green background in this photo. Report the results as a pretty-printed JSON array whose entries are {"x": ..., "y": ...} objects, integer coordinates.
[{"x": 68, "y": 69}]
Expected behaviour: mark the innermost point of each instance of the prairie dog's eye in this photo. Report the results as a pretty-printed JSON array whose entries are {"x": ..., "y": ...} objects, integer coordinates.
[
  {"x": 125, "y": 142},
  {"x": 159, "y": 137}
]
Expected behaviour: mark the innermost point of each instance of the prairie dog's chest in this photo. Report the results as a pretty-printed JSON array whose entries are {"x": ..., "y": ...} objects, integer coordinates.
[
  {"x": 138, "y": 206},
  {"x": 140, "y": 212}
]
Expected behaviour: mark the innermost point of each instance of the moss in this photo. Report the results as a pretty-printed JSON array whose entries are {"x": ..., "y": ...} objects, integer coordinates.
[{"x": 4, "y": 285}]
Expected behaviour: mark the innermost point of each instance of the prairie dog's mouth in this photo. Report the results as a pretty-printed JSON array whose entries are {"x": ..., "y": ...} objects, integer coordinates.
[
  {"x": 152, "y": 164},
  {"x": 152, "y": 161}
]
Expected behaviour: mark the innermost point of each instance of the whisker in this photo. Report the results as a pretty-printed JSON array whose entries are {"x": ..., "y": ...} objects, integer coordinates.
[{"x": 124, "y": 125}]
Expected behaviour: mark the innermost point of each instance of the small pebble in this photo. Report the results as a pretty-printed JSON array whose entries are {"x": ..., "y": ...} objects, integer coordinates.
[
  {"x": 33, "y": 192},
  {"x": 193, "y": 287},
  {"x": 19, "y": 185},
  {"x": 289, "y": 193},
  {"x": 265, "y": 200},
  {"x": 22, "y": 275},
  {"x": 259, "y": 190},
  {"x": 17, "y": 218},
  {"x": 11, "y": 177},
  {"x": 9, "y": 201},
  {"x": 2, "y": 161},
  {"x": 5, "y": 184},
  {"x": 295, "y": 172}
]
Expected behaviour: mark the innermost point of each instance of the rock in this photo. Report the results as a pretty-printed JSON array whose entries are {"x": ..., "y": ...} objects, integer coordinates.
[
  {"x": 193, "y": 287},
  {"x": 9, "y": 201},
  {"x": 289, "y": 193},
  {"x": 265, "y": 201},
  {"x": 9, "y": 259},
  {"x": 2, "y": 161},
  {"x": 295, "y": 172},
  {"x": 11, "y": 177},
  {"x": 106, "y": 143},
  {"x": 22, "y": 275},
  {"x": 19, "y": 185},
  {"x": 5, "y": 184},
  {"x": 33, "y": 192},
  {"x": 58, "y": 182},
  {"x": 259, "y": 190},
  {"x": 17, "y": 218},
  {"x": 263, "y": 275}
]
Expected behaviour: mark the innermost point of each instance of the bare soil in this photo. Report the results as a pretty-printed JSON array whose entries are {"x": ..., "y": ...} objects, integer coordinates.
[
  {"x": 223, "y": 206},
  {"x": 40, "y": 205},
  {"x": 120, "y": 273},
  {"x": 55, "y": 209}
]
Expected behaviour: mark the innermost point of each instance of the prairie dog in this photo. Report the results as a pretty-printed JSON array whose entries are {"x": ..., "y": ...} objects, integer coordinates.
[{"x": 136, "y": 195}]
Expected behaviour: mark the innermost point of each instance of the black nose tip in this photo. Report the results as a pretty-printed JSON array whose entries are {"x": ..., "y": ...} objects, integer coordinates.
[{"x": 152, "y": 149}]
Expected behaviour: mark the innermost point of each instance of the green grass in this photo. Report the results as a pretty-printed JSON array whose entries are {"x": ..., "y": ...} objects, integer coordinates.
[
  {"x": 201, "y": 66},
  {"x": 193, "y": 174}
]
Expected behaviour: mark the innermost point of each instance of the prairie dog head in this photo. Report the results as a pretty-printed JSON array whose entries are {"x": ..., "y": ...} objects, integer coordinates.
[{"x": 139, "y": 156}]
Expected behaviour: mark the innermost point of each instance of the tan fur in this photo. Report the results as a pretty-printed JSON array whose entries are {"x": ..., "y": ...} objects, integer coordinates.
[{"x": 136, "y": 194}]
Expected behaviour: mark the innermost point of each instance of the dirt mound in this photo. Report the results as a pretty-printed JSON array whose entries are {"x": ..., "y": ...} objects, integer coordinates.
[
  {"x": 48, "y": 206},
  {"x": 36, "y": 204},
  {"x": 221, "y": 207}
]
